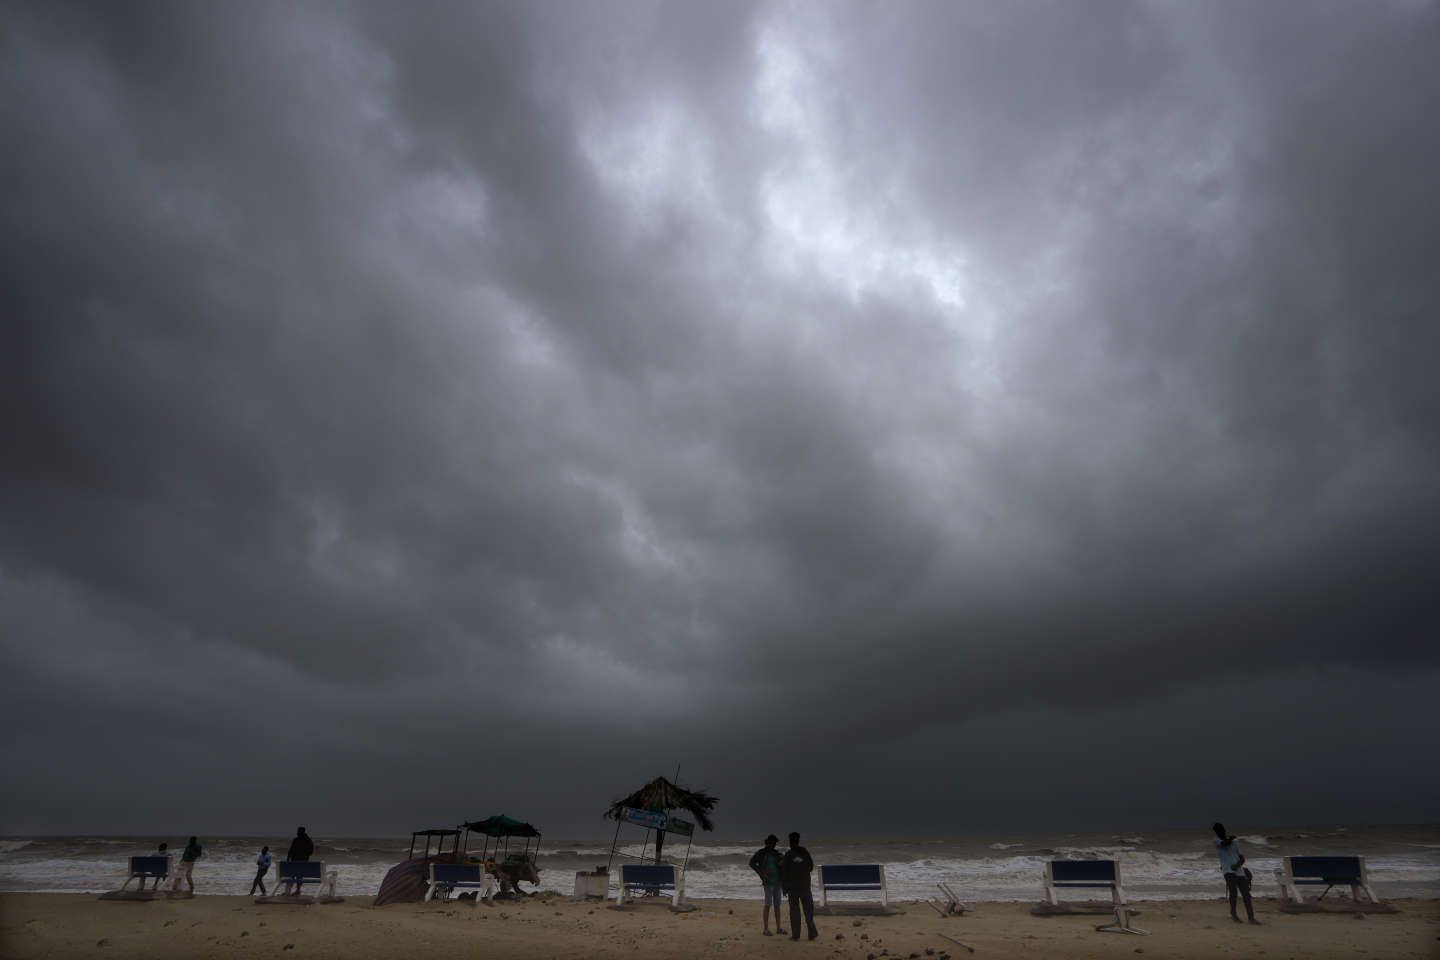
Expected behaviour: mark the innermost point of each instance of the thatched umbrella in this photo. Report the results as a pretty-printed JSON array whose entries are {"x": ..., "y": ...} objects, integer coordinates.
[{"x": 662, "y": 796}]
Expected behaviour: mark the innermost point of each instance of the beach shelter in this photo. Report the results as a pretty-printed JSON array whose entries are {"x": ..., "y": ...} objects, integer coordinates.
[
  {"x": 511, "y": 868},
  {"x": 658, "y": 799}
]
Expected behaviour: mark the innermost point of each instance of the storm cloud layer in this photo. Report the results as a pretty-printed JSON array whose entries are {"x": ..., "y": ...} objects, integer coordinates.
[{"x": 948, "y": 407}]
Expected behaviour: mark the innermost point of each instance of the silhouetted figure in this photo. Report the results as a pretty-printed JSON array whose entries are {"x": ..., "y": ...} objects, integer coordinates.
[
  {"x": 766, "y": 863},
  {"x": 193, "y": 851},
  {"x": 301, "y": 847},
  {"x": 795, "y": 869},
  {"x": 1237, "y": 875},
  {"x": 161, "y": 851},
  {"x": 262, "y": 864}
]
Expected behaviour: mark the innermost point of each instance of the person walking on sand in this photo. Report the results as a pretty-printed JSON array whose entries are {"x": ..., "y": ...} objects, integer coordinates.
[
  {"x": 262, "y": 864},
  {"x": 1237, "y": 875},
  {"x": 795, "y": 869},
  {"x": 766, "y": 863},
  {"x": 193, "y": 851}
]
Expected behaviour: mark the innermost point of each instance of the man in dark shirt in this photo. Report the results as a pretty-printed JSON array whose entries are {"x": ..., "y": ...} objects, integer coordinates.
[
  {"x": 300, "y": 848},
  {"x": 192, "y": 852},
  {"x": 795, "y": 869},
  {"x": 766, "y": 863}
]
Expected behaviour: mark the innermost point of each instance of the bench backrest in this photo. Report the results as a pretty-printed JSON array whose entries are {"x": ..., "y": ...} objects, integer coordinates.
[
  {"x": 457, "y": 873},
  {"x": 149, "y": 866},
  {"x": 1091, "y": 873},
  {"x": 852, "y": 876},
  {"x": 647, "y": 874},
  {"x": 1328, "y": 869},
  {"x": 297, "y": 870}
]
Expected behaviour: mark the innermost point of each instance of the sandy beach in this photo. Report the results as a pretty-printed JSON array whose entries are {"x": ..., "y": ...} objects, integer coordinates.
[{"x": 546, "y": 926}]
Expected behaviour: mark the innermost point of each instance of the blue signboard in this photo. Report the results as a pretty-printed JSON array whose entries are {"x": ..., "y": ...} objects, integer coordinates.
[
  {"x": 683, "y": 827},
  {"x": 653, "y": 819}
]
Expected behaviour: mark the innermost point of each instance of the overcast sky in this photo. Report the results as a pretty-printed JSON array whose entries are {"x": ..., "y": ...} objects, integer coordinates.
[{"x": 920, "y": 417}]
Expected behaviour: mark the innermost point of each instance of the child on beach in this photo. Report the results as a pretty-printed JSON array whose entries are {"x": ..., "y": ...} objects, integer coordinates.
[
  {"x": 262, "y": 862},
  {"x": 1237, "y": 875},
  {"x": 766, "y": 863}
]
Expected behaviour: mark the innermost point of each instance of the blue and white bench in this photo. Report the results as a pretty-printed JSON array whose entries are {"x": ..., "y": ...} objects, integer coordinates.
[
  {"x": 1091, "y": 874},
  {"x": 446, "y": 878},
  {"x": 155, "y": 868},
  {"x": 651, "y": 878},
  {"x": 291, "y": 877},
  {"x": 145, "y": 868},
  {"x": 853, "y": 876},
  {"x": 1296, "y": 872}
]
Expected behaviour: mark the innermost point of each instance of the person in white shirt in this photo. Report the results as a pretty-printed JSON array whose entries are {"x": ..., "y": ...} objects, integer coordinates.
[
  {"x": 262, "y": 862},
  {"x": 1237, "y": 875}
]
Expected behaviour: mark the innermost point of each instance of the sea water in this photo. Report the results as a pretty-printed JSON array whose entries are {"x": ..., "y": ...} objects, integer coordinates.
[{"x": 1404, "y": 862}]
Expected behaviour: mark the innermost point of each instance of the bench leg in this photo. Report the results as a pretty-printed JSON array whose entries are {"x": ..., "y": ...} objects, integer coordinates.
[
  {"x": 1121, "y": 923},
  {"x": 1289, "y": 893}
]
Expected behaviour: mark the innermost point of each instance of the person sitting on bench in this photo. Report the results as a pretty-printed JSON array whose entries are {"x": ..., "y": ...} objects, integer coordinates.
[
  {"x": 161, "y": 851},
  {"x": 1237, "y": 875}
]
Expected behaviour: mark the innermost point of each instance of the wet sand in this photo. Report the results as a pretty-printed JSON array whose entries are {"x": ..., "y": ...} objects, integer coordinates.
[{"x": 554, "y": 926}]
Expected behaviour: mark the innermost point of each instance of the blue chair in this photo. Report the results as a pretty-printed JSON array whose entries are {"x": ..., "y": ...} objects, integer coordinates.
[
  {"x": 155, "y": 868},
  {"x": 650, "y": 878},
  {"x": 1296, "y": 872},
  {"x": 446, "y": 878},
  {"x": 291, "y": 877},
  {"x": 853, "y": 876},
  {"x": 1091, "y": 874}
]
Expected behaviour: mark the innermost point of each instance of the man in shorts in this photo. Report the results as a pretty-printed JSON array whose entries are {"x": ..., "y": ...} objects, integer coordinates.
[
  {"x": 766, "y": 863},
  {"x": 193, "y": 851}
]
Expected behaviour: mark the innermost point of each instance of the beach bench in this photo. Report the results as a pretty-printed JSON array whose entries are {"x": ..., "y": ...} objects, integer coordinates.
[
  {"x": 1296, "y": 872},
  {"x": 853, "y": 876},
  {"x": 141, "y": 868},
  {"x": 446, "y": 878},
  {"x": 650, "y": 878},
  {"x": 291, "y": 877},
  {"x": 1096, "y": 875}
]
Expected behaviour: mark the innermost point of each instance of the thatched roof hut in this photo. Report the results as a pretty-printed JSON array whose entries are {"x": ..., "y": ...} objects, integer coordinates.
[{"x": 662, "y": 796}]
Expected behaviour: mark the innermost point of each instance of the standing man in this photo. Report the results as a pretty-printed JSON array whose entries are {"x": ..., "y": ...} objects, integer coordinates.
[
  {"x": 795, "y": 869},
  {"x": 193, "y": 851},
  {"x": 262, "y": 864},
  {"x": 1237, "y": 875},
  {"x": 300, "y": 849},
  {"x": 766, "y": 863}
]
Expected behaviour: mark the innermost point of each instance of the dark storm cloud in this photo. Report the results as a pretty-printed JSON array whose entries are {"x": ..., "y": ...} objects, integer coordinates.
[{"x": 855, "y": 379}]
